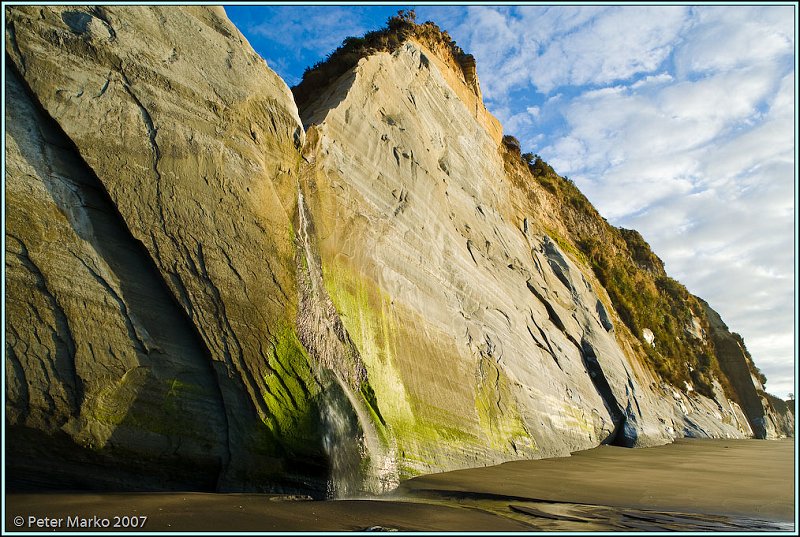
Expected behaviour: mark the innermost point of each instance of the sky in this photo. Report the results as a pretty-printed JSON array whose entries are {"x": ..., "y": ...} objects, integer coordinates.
[{"x": 676, "y": 121}]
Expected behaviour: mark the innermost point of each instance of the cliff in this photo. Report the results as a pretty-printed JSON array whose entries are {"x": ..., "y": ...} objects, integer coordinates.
[
  {"x": 152, "y": 158},
  {"x": 208, "y": 288}
]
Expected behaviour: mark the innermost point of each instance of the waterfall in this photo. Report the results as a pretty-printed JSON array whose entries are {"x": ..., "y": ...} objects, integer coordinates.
[
  {"x": 314, "y": 274},
  {"x": 360, "y": 461},
  {"x": 342, "y": 441}
]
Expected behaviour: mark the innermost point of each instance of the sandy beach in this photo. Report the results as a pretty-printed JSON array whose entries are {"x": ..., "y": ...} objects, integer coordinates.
[{"x": 691, "y": 485}]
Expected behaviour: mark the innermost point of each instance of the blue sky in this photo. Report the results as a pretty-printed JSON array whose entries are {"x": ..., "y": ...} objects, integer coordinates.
[{"x": 676, "y": 121}]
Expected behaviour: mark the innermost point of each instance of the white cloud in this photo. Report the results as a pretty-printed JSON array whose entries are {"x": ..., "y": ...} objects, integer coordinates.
[
  {"x": 513, "y": 122},
  {"x": 660, "y": 78},
  {"x": 495, "y": 37},
  {"x": 509, "y": 41},
  {"x": 678, "y": 122},
  {"x": 723, "y": 38},
  {"x": 616, "y": 44},
  {"x": 551, "y": 46},
  {"x": 720, "y": 98}
]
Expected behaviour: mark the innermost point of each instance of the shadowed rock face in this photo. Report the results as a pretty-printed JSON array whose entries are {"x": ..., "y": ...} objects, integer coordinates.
[
  {"x": 202, "y": 295},
  {"x": 187, "y": 261},
  {"x": 98, "y": 349}
]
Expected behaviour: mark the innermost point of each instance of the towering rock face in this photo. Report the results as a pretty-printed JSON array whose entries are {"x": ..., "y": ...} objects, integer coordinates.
[
  {"x": 201, "y": 294},
  {"x": 98, "y": 352},
  {"x": 765, "y": 420},
  {"x": 152, "y": 290},
  {"x": 482, "y": 339}
]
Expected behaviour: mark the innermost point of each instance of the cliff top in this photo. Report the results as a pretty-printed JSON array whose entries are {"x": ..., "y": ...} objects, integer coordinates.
[{"x": 399, "y": 29}]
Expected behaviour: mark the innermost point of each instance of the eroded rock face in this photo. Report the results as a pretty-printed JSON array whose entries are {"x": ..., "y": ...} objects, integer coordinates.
[
  {"x": 98, "y": 352},
  {"x": 191, "y": 141},
  {"x": 202, "y": 295},
  {"x": 482, "y": 339}
]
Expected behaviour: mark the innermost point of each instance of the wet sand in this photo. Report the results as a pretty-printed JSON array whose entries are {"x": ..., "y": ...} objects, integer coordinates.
[
  {"x": 691, "y": 485},
  {"x": 727, "y": 477}
]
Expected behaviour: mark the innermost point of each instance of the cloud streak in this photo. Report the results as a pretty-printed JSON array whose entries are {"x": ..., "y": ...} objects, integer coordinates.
[{"x": 675, "y": 121}]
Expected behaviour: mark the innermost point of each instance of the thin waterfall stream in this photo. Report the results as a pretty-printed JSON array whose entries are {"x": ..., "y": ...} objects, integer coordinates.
[{"x": 360, "y": 461}]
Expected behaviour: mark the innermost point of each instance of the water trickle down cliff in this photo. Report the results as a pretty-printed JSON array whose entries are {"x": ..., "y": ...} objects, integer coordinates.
[{"x": 361, "y": 459}]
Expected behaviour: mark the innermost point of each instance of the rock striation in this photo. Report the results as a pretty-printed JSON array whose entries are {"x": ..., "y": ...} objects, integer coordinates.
[
  {"x": 190, "y": 144},
  {"x": 210, "y": 289},
  {"x": 436, "y": 263}
]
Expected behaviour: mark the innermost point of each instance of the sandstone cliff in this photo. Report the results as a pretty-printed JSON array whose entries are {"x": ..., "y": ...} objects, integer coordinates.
[
  {"x": 205, "y": 291},
  {"x": 151, "y": 266},
  {"x": 438, "y": 261}
]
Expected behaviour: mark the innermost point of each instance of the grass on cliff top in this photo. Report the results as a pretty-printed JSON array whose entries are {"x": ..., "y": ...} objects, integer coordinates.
[
  {"x": 399, "y": 28},
  {"x": 634, "y": 277}
]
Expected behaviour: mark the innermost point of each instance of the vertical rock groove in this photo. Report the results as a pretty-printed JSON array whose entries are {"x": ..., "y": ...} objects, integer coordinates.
[{"x": 157, "y": 331}]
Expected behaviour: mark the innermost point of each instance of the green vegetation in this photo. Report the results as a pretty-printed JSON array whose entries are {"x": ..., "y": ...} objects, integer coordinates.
[
  {"x": 566, "y": 246},
  {"x": 512, "y": 144},
  {"x": 646, "y": 298},
  {"x": 779, "y": 405},
  {"x": 289, "y": 394},
  {"x": 399, "y": 29},
  {"x": 645, "y": 259},
  {"x": 562, "y": 188},
  {"x": 634, "y": 277}
]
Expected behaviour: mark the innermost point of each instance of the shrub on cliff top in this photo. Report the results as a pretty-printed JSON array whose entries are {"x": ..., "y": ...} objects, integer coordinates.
[
  {"x": 513, "y": 144},
  {"x": 399, "y": 29}
]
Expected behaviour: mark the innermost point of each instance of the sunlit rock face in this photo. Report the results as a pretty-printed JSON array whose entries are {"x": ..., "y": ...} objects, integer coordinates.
[
  {"x": 482, "y": 339},
  {"x": 204, "y": 294}
]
